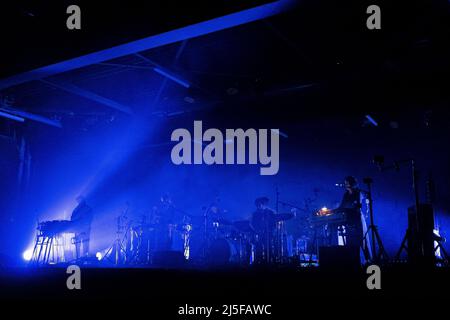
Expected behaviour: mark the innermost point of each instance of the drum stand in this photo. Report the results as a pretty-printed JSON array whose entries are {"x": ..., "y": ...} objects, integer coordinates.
[
  {"x": 117, "y": 247},
  {"x": 281, "y": 235}
]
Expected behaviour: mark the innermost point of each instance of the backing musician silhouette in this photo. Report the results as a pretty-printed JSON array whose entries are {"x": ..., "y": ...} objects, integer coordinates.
[{"x": 82, "y": 218}]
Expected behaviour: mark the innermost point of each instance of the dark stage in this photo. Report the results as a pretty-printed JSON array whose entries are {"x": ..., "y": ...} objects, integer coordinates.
[
  {"x": 242, "y": 152},
  {"x": 226, "y": 285}
]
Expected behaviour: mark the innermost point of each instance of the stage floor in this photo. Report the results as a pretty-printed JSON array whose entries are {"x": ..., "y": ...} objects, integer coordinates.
[{"x": 214, "y": 285}]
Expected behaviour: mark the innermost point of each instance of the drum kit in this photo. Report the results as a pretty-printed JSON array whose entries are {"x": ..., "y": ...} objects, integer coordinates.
[{"x": 205, "y": 239}]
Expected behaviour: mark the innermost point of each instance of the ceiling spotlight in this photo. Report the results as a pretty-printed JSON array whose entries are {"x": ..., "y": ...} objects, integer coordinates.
[{"x": 371, "y": 120}]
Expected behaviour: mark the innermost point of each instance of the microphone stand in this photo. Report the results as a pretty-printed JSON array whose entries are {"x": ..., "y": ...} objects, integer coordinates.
[{"x": 280, "y": 230}]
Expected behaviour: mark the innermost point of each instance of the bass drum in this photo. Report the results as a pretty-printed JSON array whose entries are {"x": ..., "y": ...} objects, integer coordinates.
[{"x": 224, "y": 251}]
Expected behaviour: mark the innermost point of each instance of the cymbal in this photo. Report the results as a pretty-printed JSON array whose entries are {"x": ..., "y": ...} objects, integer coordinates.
[{"x": 284, "y": 216}]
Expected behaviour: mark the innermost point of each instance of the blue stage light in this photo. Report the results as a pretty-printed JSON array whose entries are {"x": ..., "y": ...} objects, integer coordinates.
[
  {"x": 27, "y": 254},
  {"x": 99, "y": 256},
  {"x": 371, "y": 120}
]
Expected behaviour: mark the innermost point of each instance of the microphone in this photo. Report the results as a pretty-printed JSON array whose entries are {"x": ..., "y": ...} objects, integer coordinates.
[{"x": 339, "y": 185}]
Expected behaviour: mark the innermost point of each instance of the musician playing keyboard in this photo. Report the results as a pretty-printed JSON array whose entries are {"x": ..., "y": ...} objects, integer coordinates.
[
  {"x": 351, "y": 204},
  {"x": 82, "y": 218}
]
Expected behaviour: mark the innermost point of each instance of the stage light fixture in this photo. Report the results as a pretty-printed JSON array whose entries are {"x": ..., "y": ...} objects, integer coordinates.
[
  {"x": 99, "y": 256},
  {"x": 371, "y": 120},
  {"x": 27, "y": 254}
]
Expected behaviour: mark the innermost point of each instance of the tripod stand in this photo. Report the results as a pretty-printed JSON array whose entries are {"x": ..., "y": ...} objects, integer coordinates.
[
  {"x": 120, "y": 252},
  {"x": 423, "y": 233},
  {"x": 418, "y": 245},
  {"x": 444, "y": 257},
  {"x": 379, "y": 255}
]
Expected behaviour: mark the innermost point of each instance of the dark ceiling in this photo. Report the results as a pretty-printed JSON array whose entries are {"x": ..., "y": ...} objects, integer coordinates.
[{"x": 318, "y": 56}]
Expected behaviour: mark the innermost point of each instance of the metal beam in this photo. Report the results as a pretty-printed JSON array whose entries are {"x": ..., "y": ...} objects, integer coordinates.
[
  {"x": 88, "y": 94},
  {"x": 164, "y": 72},
  {"x": 172, "y": 77},
  {"x": 31, "y": 116},
  {"x": 131, "y": 66},
  {"x": 195, "y": 30},
  {"x": 10, "y": 116}
]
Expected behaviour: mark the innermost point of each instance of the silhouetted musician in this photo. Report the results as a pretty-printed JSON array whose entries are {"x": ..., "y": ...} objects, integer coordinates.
[
  {"x": 82, "y": 218},
  {"x": 165, "y": 217},
  {"x": 264, "y": 223},
  {"x": 351, "y": 205}
]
